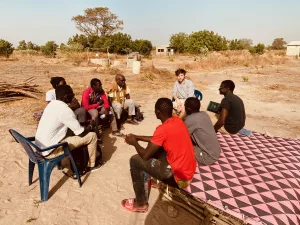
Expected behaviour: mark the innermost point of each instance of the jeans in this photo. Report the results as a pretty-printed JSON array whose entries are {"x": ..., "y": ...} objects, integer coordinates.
[{"x": 157, "y": 167}]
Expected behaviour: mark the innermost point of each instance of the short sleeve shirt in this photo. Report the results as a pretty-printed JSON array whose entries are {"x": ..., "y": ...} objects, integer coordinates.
[
  {"x": 236, "y": 118},
  {"x": 50, "y": 95},
  {"x": 174, "y": 137},
  {"x": 113, "y": 95}
]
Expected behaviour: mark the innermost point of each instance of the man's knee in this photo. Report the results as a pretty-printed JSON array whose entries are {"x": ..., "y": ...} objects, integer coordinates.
[
  {"x": 134, "y": 160},
  {"x": 81, "y": 115},
  {"x": 92, "y": 137},
  {"x": 94, "y": 114},
  {"x": 130, "y": 102}
]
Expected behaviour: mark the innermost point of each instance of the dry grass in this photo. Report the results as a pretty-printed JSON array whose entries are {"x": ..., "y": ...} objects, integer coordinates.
[
  {"x": 219, "y": 60},
  {"x": 152, "y": 73}
]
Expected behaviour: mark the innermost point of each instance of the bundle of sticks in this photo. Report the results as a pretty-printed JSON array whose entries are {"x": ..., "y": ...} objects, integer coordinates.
[{"x": 13, "y": 92}]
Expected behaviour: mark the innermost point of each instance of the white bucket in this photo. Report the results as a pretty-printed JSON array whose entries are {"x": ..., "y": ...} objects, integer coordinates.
[{"x": 136, "y": 67}]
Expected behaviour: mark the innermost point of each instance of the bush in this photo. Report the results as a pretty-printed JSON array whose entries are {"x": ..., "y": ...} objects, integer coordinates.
[
  {"x": 6, "y": 48},
  {"x": 49, "y": 49},
  {"x": 259, "y": 49}
]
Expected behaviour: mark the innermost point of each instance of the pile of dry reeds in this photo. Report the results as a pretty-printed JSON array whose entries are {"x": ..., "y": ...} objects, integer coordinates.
[{"x": 13, "y": 92}]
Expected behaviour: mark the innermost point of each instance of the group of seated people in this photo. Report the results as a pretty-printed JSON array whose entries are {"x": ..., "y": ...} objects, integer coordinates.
[{"x": 185, "y": 138}]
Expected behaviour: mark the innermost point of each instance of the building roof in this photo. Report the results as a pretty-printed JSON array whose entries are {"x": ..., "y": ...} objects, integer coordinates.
[{"x": 293, "y": 43}]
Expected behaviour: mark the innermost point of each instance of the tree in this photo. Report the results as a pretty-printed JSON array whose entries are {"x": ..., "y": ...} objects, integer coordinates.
[
  {"x": 179, "y": 42},
  {"x": 119, "y": 42},
  {"x": 235, "y": 45},
  {"x": 98, "y": 21},
  {"x": 144, "y": 47},
  {"x": 49, "y": 48},
  {"x": 246, "y": 43},
  {"x": 22, "y": 45},
  {"x": 201, "y": 39},
  {"x": 278, "y": 44},
  {"x": 80, "y": 39},
  {"x": 6, "y": 48}
]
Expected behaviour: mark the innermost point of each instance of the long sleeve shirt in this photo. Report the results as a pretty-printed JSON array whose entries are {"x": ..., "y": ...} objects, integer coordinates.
[
  {"x": 184, "y": 90},
  {"x": 90, "y": 99}
]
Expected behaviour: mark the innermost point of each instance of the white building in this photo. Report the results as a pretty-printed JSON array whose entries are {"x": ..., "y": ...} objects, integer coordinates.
[
  {"x": 293, "y": 48},
  {"x": 164, "y": 50}
]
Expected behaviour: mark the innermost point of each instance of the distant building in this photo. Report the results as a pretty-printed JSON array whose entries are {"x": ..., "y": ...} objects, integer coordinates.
[
  {"x": 293, "y": 48},
  {"x": 164, "y": 50}
]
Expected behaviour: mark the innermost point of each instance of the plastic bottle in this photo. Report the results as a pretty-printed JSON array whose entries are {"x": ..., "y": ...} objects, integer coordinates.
[
  {"x": 147, "y": 186},
  {"x": 102, "y": 116}
]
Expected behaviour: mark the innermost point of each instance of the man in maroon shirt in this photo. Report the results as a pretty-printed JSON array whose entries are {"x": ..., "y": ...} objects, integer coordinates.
[{"x": 95, "y": 102}]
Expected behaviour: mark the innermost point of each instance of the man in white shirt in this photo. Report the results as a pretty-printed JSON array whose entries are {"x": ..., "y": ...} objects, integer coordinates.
[
  {"x": 80, "y": 112},
  {"x": 56, "y": 120}
]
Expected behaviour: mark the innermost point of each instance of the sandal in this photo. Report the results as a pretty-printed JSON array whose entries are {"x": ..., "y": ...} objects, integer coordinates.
[
  {"x": 118, "y": 134},
  {"x": 128, "y": 204}
]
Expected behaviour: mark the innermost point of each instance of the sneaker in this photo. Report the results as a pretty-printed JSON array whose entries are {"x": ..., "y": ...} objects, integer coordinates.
[
  {"x": 95, "y": 168},
  {"x": 117, "y": 134}
]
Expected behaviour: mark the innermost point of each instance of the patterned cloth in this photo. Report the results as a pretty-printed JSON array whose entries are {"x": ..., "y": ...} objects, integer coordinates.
[{"x": 256, "y": 179}]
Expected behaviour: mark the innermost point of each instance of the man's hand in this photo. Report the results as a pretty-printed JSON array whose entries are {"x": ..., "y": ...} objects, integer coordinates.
[
  {"x": 131, "y": 139},
  {"x": 106, "y": 112},
  {"x": 100, "y": 102}
]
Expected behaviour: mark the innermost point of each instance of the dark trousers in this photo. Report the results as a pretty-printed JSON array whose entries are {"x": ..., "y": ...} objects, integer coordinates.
[{"x": 157, "y": 167}]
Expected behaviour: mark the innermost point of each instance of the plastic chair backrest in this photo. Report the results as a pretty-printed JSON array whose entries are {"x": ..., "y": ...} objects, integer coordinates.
[
  {"x": 25, "y": 143},
  {"x": 198, "y": 94}
]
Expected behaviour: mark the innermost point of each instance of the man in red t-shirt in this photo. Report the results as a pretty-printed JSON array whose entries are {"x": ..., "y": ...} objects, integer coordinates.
[{"x": 169, "y": 156}]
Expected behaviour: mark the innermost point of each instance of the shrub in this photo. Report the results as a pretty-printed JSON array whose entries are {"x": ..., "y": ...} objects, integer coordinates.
[
  {"x": 259, "y": 49},
  {"x": 6, "y": 48},
  {"x": 49, "y": 49},
  {"x": 245, "y": 78}
]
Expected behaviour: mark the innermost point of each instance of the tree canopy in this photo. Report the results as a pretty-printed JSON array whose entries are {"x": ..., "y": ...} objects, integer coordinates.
[
  {"x": 98, "y": 21},
  {"x": 278, "y": 44}
]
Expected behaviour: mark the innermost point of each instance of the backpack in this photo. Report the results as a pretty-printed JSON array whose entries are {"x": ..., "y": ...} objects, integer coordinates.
[
  {"x": 138, "y": 114},
  {"x": 81, "y": 158}
]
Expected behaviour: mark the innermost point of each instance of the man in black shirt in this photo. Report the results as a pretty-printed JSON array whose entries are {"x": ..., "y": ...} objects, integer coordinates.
[{"x": 232, "y": 110}]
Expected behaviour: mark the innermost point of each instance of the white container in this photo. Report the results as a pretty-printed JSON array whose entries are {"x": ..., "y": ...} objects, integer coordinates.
[{"x": 136, "y": 67}]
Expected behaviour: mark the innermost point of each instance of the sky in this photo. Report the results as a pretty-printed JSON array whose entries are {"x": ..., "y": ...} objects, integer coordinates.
[{"x": 262, "y": 21}]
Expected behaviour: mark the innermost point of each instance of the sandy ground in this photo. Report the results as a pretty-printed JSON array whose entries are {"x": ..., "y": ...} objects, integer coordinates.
[{"x": 271, "y": 98}]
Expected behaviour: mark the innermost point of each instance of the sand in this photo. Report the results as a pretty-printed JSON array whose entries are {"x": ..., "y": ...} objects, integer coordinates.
[{"x": 272, "y": 105}]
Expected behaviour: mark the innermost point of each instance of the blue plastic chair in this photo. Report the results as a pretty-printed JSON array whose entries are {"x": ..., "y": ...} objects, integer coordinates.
[
  {"x": 45, "y": 166},
  {"x": 197, "y": 94}
]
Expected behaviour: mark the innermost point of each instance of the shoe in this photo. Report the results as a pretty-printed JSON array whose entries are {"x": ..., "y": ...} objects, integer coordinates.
[
  {"x": 134, "y": 122},
  {"x": 118, "y": 134},
  {"x": 95, "y": 168}
]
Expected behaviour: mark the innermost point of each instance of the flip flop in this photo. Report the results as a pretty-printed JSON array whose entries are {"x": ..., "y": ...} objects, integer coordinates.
[{"x": 128, "y": 204}]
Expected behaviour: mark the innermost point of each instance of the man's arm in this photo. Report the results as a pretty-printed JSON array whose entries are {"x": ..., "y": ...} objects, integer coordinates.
[
  {"x": 143, "y": 153},
  {"x": 143, "y": 138},
  {"x": 221, "y": 120}
]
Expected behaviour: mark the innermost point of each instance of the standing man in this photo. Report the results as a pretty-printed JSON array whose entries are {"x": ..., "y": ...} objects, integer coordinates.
[
  {"x": 206, "y": 145},
  {"x": 94, "y": 100},
  {"x": 182, "y": 90},
  {"x": 169, "y": 156},
  {"x": 56, "y": 120},
  {"x": 232, "y": 110},
  {"x": 119, "y": 95}
]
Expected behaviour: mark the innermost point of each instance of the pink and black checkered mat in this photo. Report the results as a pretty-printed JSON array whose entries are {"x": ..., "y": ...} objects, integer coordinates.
[{"x": 256, "y": 179}]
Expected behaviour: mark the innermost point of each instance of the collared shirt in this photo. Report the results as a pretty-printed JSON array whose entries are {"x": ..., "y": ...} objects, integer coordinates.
[
  {"x": 113, "y": 94},
  {"x": 56, "y": 119},
  {"x": 184, "y": 90},
  {"x": 50, "y": 95}
]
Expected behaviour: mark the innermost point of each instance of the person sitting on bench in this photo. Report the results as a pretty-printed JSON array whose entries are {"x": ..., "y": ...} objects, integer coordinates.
[
  {"x": 232, "y": 110},
  {"x": 206, "y": 145},
  {"x": 169, "y": 156}
]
